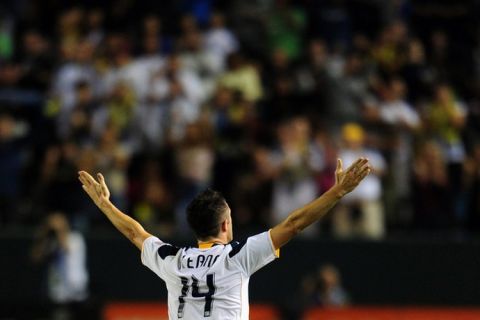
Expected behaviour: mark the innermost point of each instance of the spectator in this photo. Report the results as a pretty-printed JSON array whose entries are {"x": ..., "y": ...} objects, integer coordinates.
[
  {"x": 12, "y": 157},
  {"x": 350, "y": 90},
  {"x": 389, "y": 52},
  {"x": 293, "y": 183},
  {"x": 280, "y": 67},
  {"x": 55, "y": 188},
  {"x": 283, "y": 97},
  {"x": 149, "y": 126},
  {"x": 312, "y": 78},
  {"x": 117, "y": 111},
  {"x": 64, "y": 253},
  {"x": 433, "y": 207},
  {"x": 285, "y": 25},
  {"x": 6, "y": 34},
  {"x": 194, "y": 162},
  {"x": 323, "y": 288},
  {"x": 112, "y": 159},
  {"x": 253, "y": 195},
  {"x": 79, "y": 126},
  {"x": 122, "y": 68},
  {"x": 230, "y": 117},
  {"x": 175, "y": 72},
  {"x": 152, "y": 199},
  {"x": 361, "y": 213},
  {"x": 36, "y": 61},
  {"x": 323, "y": 159},
  {"x": 330, "y": 292},
  {"x": 77, "y": 68},
  {"x": 243, "y": 77},
  {"x": 220, "y": 40},
  {"x": 331, "y": 20},
  {"x": 195, "y": 57},
  {"x": 441, "y": 54},
  {"x": 95, "y": 33},
  {"x": 445, "y": 120},
  {"x": 183, "y": 112},
  {"x": 147, "y": 67},
  {"x": 418, "y": 75},
  {"x": 401, "y": 123}
]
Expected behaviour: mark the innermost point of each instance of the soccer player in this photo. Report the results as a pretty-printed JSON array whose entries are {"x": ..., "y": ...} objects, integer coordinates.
[{"x": 211, "y": 281}]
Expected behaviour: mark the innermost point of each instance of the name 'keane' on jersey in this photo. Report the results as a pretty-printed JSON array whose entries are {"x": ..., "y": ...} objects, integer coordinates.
[{"x": 200, "y": 261}]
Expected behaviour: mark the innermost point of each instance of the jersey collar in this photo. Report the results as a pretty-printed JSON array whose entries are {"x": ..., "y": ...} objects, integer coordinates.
[{"x": 207, "y": 245}]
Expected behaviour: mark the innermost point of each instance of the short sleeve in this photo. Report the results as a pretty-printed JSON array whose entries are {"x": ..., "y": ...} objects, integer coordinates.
[
  {"x": 253, "y": 253},
  {"x": 156, "y": 255}
]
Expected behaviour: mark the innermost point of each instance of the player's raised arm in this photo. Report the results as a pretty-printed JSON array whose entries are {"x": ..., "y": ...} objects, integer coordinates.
[
  {"x": 98, "y": 191},
  {"x": 345, "y": 182}
]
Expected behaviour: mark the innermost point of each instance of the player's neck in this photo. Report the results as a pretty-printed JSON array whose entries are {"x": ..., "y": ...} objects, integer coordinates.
[{"x": 218, "y": 240}]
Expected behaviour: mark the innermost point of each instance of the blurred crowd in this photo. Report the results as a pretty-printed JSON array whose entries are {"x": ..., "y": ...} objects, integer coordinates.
[
  {"x": 321, "y": 288},
  {"x": 255, "y": 98}
]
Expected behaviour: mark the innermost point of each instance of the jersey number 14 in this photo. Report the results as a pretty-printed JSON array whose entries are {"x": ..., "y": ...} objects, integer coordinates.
[{"x": 207, "y": 310}]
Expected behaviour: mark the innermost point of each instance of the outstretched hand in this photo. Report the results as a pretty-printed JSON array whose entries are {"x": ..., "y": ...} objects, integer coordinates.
[
  {"x": 350, "y": 178},
  {"x": 97, "y": 190}
]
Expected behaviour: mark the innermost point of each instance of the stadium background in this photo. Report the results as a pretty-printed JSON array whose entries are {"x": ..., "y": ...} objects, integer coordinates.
[{"x": 256, "y": 99}]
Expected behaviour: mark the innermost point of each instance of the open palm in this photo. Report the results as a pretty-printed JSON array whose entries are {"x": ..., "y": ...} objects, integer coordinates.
[
  {"x": 350, "y": 178},
  {"x": 97, "y": 190}
]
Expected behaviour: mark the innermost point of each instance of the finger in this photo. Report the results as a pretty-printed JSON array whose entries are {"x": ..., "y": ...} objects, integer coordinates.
[
  {"x": 101, "y": 179},
  {"x": 365, "y": 161},
  {"x": 355, "y": 163},
  {"x": 366, "y": 168},
  {"x": 87, "y": 190},
  {"x": 360, "y": 164},
  {"x": 98, "y": 189},
  {"x": 339, "y": 165},
  {"x": 365, "y": 172},
  {"x": 88, "y": 178},
  {"x": 338, "y": 170},
  {"x": 85, "y": 177},
  {"x": 82, "y": 180}
]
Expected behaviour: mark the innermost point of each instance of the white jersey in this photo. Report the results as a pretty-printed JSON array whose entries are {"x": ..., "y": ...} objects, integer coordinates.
[{"x": 208, "y": 283}]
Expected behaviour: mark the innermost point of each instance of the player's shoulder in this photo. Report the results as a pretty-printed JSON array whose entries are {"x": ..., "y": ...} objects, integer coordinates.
[
  {"x": 167, "y": 250},
  {"x": 252, "y": 241},
  {"x": 235, "y": 246},
  {"x": 163, "y": 249}
]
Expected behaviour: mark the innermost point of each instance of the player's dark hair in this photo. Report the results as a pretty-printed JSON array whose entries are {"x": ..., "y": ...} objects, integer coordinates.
[{"x": 204, "y": 213}]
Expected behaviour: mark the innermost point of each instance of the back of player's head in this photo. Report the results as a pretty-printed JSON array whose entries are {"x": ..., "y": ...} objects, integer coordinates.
[{"x": 205, "y": 213}]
